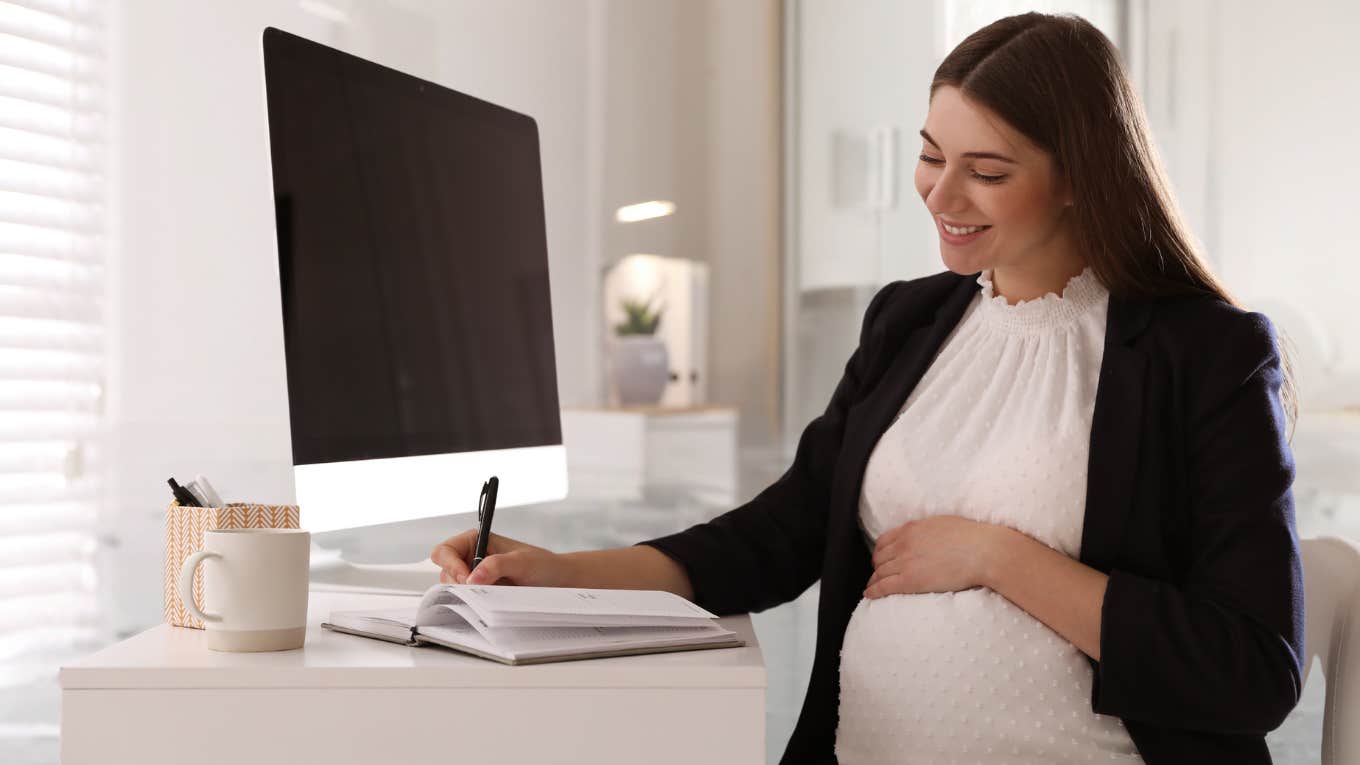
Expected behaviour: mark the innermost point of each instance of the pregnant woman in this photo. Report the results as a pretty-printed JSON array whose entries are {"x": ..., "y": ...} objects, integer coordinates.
[{"x": 1049, "y": 503}]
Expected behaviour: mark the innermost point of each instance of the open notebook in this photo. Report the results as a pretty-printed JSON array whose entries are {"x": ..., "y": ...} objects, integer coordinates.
[{"x": 532, "y": 625}]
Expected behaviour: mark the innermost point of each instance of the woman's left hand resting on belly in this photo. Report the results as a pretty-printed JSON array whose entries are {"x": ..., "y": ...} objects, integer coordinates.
[
  {"x": 942, "y": 553},
  {"x": 946, "y": 553}
]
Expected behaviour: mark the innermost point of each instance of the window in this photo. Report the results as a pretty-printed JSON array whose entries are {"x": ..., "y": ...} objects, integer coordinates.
[{"x": 52, "y": 345}]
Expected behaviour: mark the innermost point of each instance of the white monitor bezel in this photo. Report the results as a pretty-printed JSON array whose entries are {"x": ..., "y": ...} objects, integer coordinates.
[{"x": 334, "y": 496}]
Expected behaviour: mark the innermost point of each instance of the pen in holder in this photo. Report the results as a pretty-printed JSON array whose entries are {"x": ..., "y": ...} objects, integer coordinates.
[{"x": 184, "y": 529}]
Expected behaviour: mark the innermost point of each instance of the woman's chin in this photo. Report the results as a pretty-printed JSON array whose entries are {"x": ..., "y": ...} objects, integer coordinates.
[{"x": 963, "y": 265}]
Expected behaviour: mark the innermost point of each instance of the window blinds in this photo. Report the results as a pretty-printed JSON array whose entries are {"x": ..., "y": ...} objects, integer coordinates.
[{"x": 52, "y": 190}]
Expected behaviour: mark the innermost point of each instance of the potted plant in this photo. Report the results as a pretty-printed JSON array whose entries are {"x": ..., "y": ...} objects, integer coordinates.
[{"x": 639, "y": 362}]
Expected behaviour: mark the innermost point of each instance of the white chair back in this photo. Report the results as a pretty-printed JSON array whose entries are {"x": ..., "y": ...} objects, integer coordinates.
[{"x": 1331, "y": 583}]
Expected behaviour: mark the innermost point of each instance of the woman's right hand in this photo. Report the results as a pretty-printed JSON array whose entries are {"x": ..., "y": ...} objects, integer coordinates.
[{"x": 507, "y": 561}]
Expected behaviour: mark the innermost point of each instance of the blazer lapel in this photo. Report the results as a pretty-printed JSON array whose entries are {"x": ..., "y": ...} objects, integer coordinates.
[
  {"x": 867, "y": 420},
  {"x": 1116, "y": 430}
]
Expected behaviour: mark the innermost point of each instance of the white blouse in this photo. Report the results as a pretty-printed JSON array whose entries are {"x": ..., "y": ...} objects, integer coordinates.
[{"x": 998, "y": 430}]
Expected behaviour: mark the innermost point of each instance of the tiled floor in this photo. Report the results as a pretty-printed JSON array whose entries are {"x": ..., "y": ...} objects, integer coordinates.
[{"x": 28, "y": 716}]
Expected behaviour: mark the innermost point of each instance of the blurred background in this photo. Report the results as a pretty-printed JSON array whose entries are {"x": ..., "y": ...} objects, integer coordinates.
[{"x": 139, "y": 316}]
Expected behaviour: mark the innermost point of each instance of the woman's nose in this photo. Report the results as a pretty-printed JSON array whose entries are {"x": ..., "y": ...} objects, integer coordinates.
[{"x": 945, "y": 196}]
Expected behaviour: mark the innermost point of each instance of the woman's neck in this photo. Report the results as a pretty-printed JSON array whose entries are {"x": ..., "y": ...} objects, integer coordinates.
[{"x": 1030, "y": 282}]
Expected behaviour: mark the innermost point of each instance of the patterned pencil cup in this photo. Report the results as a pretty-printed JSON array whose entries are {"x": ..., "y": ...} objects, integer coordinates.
[{"x": 184, "y": 529}]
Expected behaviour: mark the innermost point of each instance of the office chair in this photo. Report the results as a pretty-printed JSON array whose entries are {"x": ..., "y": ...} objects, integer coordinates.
[{"x": 1331, "y": 583}]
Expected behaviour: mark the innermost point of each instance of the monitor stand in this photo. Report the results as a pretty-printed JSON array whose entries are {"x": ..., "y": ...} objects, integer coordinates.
[{"x": 331, "y": 572}]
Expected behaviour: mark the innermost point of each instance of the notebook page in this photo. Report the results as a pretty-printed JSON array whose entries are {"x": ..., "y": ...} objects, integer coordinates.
[
  {"x": 492, "y": 601},
  {"x": 463, "y": 634},
  {"x": 554, "y": 639},
  {"x": 439, "y": 594},
  {"x": 470, "y": 617},
  {"x": 593, "y": 620},
  {"x": 394, "y": 623},
  {"x": 539, "y": 638},
  {"x": 525, "y": 642},
  {"x": 392, "y": 620}
]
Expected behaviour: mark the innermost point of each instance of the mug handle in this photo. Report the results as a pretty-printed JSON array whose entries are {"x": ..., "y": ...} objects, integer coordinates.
[{"x": 186, "y": 585}]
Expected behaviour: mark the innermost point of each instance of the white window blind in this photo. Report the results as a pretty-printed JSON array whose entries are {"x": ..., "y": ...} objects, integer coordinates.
[{"x": 52, "y": 191}]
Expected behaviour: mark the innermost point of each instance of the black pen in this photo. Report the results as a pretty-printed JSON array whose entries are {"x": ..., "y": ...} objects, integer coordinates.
[
  {"x": 486, "y": 508},
  {"x": 183, "y": 495}
]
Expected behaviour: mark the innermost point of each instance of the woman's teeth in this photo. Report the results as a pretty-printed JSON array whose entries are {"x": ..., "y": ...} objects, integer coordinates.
[{"x": 962, "y": 231}]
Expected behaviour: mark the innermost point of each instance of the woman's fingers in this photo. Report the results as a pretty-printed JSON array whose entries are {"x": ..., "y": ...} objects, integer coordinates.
[
  {"x": 454, "y": 555},
  {"x": 512, "y": 566},
  {"x": 447, "y": 558},
  {"x": 489, "y": 571}
]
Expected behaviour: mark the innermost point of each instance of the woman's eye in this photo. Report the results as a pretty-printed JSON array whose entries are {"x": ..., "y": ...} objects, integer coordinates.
[{"x": 929, "y": 160}]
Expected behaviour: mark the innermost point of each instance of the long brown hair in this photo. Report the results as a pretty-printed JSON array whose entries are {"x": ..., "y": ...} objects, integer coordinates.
[{"x": 1059, "y": 81}]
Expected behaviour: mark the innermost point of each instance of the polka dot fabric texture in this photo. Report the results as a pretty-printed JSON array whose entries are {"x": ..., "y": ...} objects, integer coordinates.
[{"x": 998, "y": 430}]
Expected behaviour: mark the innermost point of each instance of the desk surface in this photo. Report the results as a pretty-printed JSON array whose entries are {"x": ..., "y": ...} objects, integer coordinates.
[{"x": 177, "y": 657}]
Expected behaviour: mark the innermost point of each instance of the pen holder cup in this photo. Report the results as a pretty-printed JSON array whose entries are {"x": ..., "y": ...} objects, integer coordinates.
[{"x": 184, "y": 529}]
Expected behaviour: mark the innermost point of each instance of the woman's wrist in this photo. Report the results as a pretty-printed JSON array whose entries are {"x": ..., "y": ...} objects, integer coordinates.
[
  {"x": 639, "y": 567},
  {"x": 572, "y": 569},
  {"x": 1000, "y": 555}
]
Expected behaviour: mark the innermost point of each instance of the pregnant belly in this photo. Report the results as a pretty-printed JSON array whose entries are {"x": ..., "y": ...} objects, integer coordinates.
[{"x": 945, "y": 677}]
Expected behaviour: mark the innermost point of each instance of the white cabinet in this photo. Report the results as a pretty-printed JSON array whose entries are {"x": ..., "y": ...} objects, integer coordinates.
[{"x": 861, "y": 75}]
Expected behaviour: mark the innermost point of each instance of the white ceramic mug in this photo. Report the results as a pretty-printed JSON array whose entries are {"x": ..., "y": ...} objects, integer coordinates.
[{"x": 254, "y": 588}]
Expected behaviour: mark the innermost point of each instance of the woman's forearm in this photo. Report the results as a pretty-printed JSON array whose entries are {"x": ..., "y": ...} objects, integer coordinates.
[
  {"x": 628, "y": 568},
  {"x": 1064, "y": 594}
]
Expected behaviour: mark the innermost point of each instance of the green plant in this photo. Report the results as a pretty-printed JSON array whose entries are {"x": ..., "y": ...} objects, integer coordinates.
[{"x": 642, "y": 318}]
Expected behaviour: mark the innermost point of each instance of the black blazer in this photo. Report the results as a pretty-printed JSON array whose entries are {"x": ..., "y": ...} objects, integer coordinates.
[{"x": 1189, "y": 511}]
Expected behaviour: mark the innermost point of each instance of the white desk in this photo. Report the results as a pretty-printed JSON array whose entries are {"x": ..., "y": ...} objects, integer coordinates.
[{"x": 163, "y": 697}]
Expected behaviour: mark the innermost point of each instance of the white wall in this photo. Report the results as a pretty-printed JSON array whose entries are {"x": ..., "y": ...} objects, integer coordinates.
[
  {"x": 743, "y": 195},
  {"x": 1253, "y": 123},
  {"x": 1285, "y": 165}
]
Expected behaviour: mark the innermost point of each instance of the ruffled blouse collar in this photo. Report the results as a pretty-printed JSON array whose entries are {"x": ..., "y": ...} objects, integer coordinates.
[{"x": 1051, "y": 311}]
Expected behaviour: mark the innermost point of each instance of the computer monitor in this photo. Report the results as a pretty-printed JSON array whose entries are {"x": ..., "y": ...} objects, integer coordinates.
[{"x": 413, "y": 269}]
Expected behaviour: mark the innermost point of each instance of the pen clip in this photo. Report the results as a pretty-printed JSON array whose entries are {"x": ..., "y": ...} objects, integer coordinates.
[{"x": 481, "y": 501}]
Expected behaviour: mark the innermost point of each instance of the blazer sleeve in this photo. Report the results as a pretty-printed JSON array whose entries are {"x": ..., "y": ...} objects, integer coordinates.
[
  {"x": 1222, "y": 652},
  {"x": 769, "y": 550}
]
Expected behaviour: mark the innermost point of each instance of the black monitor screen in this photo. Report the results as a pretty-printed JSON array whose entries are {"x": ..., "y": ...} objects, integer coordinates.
[{"x": 413, "y": 262}]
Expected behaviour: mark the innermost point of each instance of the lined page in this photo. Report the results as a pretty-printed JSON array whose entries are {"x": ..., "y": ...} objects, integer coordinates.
[{"x": 493, "y": 601}]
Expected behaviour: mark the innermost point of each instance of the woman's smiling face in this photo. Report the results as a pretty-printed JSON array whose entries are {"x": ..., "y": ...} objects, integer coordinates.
[{"x": 975, "y": 170}]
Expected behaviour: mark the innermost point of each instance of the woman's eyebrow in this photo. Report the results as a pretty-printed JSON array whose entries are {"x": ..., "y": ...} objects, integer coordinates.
[{"x": 977, "y": 154}]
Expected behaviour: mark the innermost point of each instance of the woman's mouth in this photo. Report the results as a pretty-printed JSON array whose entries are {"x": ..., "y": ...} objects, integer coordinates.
[{"x": 960, "y": 235}]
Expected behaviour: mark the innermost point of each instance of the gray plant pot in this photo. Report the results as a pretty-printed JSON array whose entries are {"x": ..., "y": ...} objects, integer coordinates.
[{"x": 640, "y": 367}]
